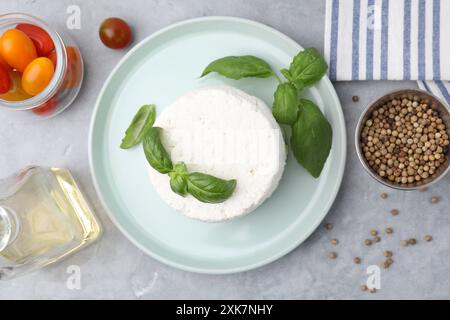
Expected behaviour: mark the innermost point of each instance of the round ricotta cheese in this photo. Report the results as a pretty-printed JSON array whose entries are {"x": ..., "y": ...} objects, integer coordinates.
[{"x": 224, "y": 132}]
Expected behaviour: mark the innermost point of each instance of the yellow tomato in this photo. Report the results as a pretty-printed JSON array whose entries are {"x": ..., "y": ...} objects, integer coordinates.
[
  {"x": 37, "y": 75},
  {"x": 17, "y": 49},
  {"x": 16, "y": 93}
]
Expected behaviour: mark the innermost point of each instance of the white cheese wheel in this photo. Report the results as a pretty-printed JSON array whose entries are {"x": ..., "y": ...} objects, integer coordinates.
[{"x": 224, "y": 132}]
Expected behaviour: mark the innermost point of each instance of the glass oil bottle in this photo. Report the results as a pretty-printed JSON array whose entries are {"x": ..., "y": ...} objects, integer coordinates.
[{"x": 43, "y": 218}]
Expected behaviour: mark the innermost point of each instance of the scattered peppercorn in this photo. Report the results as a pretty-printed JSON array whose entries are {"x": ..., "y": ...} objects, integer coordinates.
[
  {"x": 357, "y": 260},
  {"x": 405, "y": 140},
  {"x": 388, "y": 254},
  {"x": 373, "y": 232},
  {"x": 332, "y": 255},
  {"x": 405, "y": 243},
  {"x": 428, "y": 238},
  {"x": 387, "y": 263},
  {"x": 383, "y": 195},
  {"x": 368, "y": 242},
  {"x": 328, "y": 226},
  {"x": 389, "y": 230},
  {"x": 394, "y": 212},
  {"x": 355, "y": 98},
  {"x": 334, "y": 241},
  {"x": 364, "y": 288},
  {"x": 412, "y": 241},
  {"x": 372, "y": 290},
  {"x": 376, "y": 239},
  {"x": 434, "y": 199}
]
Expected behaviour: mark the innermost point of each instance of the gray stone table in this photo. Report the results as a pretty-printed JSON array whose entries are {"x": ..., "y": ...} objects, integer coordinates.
[{"x": 113, "y": 268}]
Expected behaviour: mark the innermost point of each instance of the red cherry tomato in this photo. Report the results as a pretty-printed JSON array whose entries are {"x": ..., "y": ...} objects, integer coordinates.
[
  {"x": 52, "y": 57},
  {"x": 3, "y": 63},
  {"x": 115, "y": 33},
  {"x": 73, "y": 72},
  {"x": 5, "y": 80},
  {"x": 16, "y": 93},
  {"x": 42, "y": 41},
  {"x": 17, "y": 49},
  {"x": 46, "y": 108},
  {"x": 73, "y": 75}
]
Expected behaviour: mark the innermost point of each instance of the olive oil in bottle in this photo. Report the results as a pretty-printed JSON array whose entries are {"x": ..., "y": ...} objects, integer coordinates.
[{"x": 43, "y": 218}]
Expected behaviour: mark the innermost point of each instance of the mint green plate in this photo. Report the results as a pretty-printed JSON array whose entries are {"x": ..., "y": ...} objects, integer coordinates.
[{"x": 159, "y": 69}]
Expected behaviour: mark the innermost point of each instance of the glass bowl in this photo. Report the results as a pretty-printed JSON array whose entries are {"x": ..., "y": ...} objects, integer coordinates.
[{"x": 67, "y": 79}]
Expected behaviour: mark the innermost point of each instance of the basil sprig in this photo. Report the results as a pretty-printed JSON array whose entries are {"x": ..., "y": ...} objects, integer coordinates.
[
  {"x": 141, "y": 123},
  {"x": 238, "y": 67},
  {"x": 311, "y": 132},
  {"x": 203, "y": 187}
]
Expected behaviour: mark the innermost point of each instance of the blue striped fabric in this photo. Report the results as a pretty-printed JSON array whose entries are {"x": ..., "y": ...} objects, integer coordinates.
[{"x": 390, "y": 40}]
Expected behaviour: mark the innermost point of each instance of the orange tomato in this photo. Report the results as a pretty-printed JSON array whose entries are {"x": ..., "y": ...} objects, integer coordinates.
[
  {"x": 37, "y": 75},
  {"x": 16, "y": 93},
  {"x": 17, "y": 49}
]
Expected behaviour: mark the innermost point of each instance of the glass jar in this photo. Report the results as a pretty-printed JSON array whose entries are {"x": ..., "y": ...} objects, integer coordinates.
[
  {"x": 43, "y": 218},
  {"x": 67, "y": 78}
]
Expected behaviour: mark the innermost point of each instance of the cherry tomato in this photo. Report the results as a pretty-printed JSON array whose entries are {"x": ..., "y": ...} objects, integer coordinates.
[
  {"x": 5, "y": 80},
  {"x": 16, "y": 93},
  {"x": 41, "y": 40},
  {"x": 73, "y": 72},
  {"x": 46, "y": 108},
  {"x": 52, "y": 56},
  {"x": 73, "y": 75},
  {"x": 115, "y": 33},
  {"x": 37, "y": 75},
  {"x": 4, "y": 64},
  {"x": 17, "y": 49}
]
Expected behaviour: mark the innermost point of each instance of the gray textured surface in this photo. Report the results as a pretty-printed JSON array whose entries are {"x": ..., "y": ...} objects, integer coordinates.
[{"x": 114, "y": 268}]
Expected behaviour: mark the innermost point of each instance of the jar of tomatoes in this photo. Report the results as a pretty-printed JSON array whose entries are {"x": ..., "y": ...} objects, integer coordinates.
[{"x": 41, "y": 70}]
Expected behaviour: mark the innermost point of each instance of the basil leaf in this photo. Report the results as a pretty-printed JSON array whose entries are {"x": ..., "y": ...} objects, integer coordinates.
[
  {"x": 178, "y": 182},
  {"x": 285, "y": 104},
  {"x": 238, "y": 67},
  {"x": 286, "y": 74},
  {"x": 209, "y": 189},
  {"x": 142, "y": 121},
  {"x": 307, "y": 68},
  {"x": 180, "y": 168},
  {"x": 311, "y": 138},
  {"x": 154, "y": 151}
]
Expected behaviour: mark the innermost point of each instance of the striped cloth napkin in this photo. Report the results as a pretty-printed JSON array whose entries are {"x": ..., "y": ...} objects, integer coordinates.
[{"x": 390, "y": 40}]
